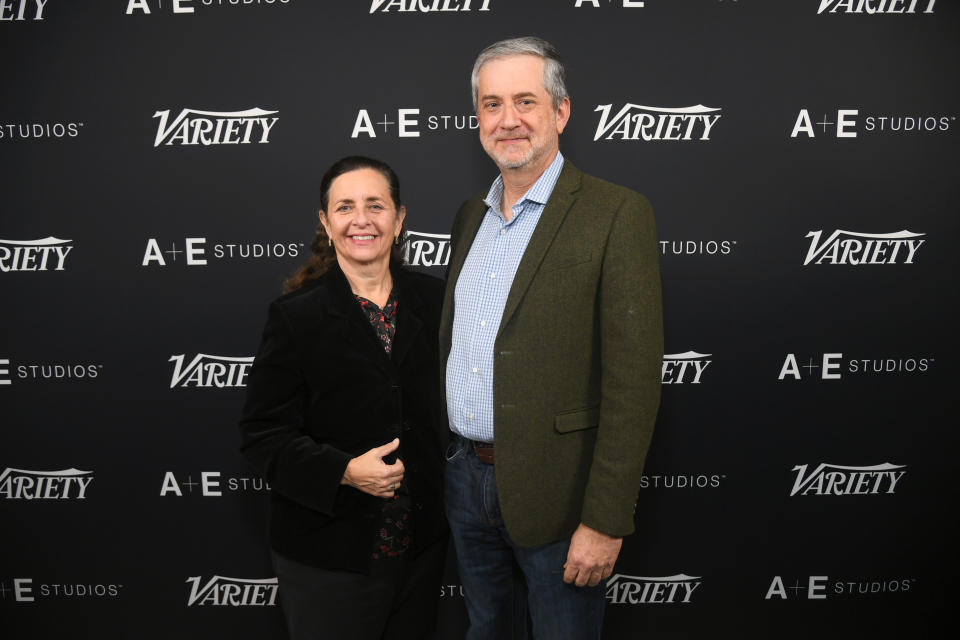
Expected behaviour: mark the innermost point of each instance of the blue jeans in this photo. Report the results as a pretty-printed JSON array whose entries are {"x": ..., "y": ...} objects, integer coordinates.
[{"x": 504, "y": 583}]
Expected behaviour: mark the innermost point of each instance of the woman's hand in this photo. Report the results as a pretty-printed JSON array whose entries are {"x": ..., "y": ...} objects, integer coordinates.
[{"x": 370, "y": 474}]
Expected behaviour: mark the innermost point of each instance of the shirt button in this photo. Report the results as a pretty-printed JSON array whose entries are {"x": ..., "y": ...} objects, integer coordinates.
[
  {"x": 471, "y": 416},
  {"x": 493, "y": 275},
  {"x": 483, "y": 323},
  {"x": 503, "y": 232},
  {"x": 475, "y": 369}
]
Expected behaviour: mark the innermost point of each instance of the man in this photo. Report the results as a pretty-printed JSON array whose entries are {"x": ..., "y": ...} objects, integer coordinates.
[{"x": 551, "y": 341}]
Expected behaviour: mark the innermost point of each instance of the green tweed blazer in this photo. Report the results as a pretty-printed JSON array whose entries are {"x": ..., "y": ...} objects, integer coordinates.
[{"x": 577, "y": 360}]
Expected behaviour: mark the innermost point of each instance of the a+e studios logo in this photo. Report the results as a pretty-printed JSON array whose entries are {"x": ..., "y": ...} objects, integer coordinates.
[
  {"x": 409, "y": 123},
  {"x": 833, "y": 366},
  {"x": 194, "y": 251},
  {"x": 188, "y": 6},
  {"x": 627, "y": 4},
  {"x": 211, "y": 484},
  {"x": 847, "y": 124},
  {"x": 820, "y": 587}
]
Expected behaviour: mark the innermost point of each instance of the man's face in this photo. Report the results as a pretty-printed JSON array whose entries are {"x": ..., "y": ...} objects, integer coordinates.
[{"x": 519, "y": 128}]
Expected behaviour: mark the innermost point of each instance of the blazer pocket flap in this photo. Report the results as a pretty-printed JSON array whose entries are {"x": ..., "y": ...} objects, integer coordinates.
[
  {"x": 577, "y": 420},
  {"x": 555, "y": 263}
]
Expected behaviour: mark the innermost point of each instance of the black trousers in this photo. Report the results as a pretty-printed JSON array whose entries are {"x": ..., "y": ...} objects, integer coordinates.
[{"x": 398, "y": 602}]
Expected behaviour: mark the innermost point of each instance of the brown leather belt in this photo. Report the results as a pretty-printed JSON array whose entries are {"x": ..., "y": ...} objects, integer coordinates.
[{"x": 484, "y": 451}]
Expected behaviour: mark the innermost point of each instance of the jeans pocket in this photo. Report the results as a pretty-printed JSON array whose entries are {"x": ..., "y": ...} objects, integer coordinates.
[{"x": 455, "y": 449}]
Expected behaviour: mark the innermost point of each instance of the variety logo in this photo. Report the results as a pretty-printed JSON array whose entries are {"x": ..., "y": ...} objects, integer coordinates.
[
  {"x": 23, "y": 484},
  {"x": 451, "y": 591},
  {"x": 207, "y": 371},
  {"x": 846, "y": 124},
  {"x": 426, "y": 249},
  {"x": 624, "y": 589},
  {"x": 683, "y": 368},
  {"x": 221, "y": 591},
  {"x": 820, "y": 587},
  {"x": 701, "y": 481},
  {"x": 832, "y": 366},
  {"x": 24, "y": 590},
  {"x": 195, "y": 251},
  {"x": 20, "y": 10},
  {"x": 853, "y": 248},
  {"x": 38, "y": 130},
  {"x": 408, "y": 123},
  {"x": 210, "y": 485},
  {"x": 427, "y": 6},
  {"x": 194, "y": 127},
  {"x": 187, "y": 6},
  {"x": 48, "y": 254},
  {"x": 838, "y": 480},
  {"x": 876, "y": 6},
  {"x": 637, "y": 122},
  {"x": 697, "y": 247}
]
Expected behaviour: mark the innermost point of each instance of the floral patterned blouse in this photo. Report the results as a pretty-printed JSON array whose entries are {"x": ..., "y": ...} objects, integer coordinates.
[{"x": 393, "y": 535}]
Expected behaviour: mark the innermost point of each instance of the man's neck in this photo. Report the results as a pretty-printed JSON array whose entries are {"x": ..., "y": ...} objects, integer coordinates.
[{"x": 517, "y": 182}]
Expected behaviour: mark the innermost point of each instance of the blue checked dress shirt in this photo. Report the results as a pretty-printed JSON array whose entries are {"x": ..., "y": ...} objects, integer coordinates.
[{"x": 479, "y": 299}]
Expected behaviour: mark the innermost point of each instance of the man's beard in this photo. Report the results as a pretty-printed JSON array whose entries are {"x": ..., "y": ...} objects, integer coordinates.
[{"x": 516, "y": 163}]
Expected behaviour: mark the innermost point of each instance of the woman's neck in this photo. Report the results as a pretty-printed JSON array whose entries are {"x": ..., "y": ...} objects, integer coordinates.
[{"x": 373, "y": 282}]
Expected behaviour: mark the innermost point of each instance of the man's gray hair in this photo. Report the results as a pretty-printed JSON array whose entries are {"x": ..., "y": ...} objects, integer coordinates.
[{"x": 553, "y": 73}]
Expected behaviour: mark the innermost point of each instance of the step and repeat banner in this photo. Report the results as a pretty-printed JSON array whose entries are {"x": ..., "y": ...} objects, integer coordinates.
[{"x": 160, "y": 170}]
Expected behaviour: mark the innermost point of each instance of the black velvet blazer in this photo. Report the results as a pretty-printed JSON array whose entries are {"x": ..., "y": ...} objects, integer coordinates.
[{"x": 321, "y": 391}]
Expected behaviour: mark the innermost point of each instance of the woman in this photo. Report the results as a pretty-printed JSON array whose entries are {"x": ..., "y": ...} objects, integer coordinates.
[{"x": 343, "y": 419}]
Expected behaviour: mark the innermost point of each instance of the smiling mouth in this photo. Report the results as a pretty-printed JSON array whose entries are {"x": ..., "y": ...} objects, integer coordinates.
[{"x": 362, "y": 238}]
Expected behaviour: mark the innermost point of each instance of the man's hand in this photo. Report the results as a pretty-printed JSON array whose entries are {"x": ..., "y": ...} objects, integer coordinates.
[
  {"x": 591, "y": 557},
  {"x": 370, "y": 474}
]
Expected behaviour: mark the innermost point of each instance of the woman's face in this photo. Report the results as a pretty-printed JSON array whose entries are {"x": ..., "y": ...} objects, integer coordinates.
[{"x": 361, "y": 218}]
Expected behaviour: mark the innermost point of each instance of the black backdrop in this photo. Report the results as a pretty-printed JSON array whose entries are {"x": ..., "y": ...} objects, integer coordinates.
[{"x": 802, "y": 480}]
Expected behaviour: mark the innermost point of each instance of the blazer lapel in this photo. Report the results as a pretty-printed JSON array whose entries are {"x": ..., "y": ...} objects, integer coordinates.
[
  {"x": 355, "y": 330},
  {"x": 551, "y": 218},
  {"x": 473, "y": 217},
  {"x": 408, "y": 318}
]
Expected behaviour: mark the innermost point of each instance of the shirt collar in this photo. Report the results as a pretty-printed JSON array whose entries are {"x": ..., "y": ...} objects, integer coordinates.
[{"x": 539, "y": 192}]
